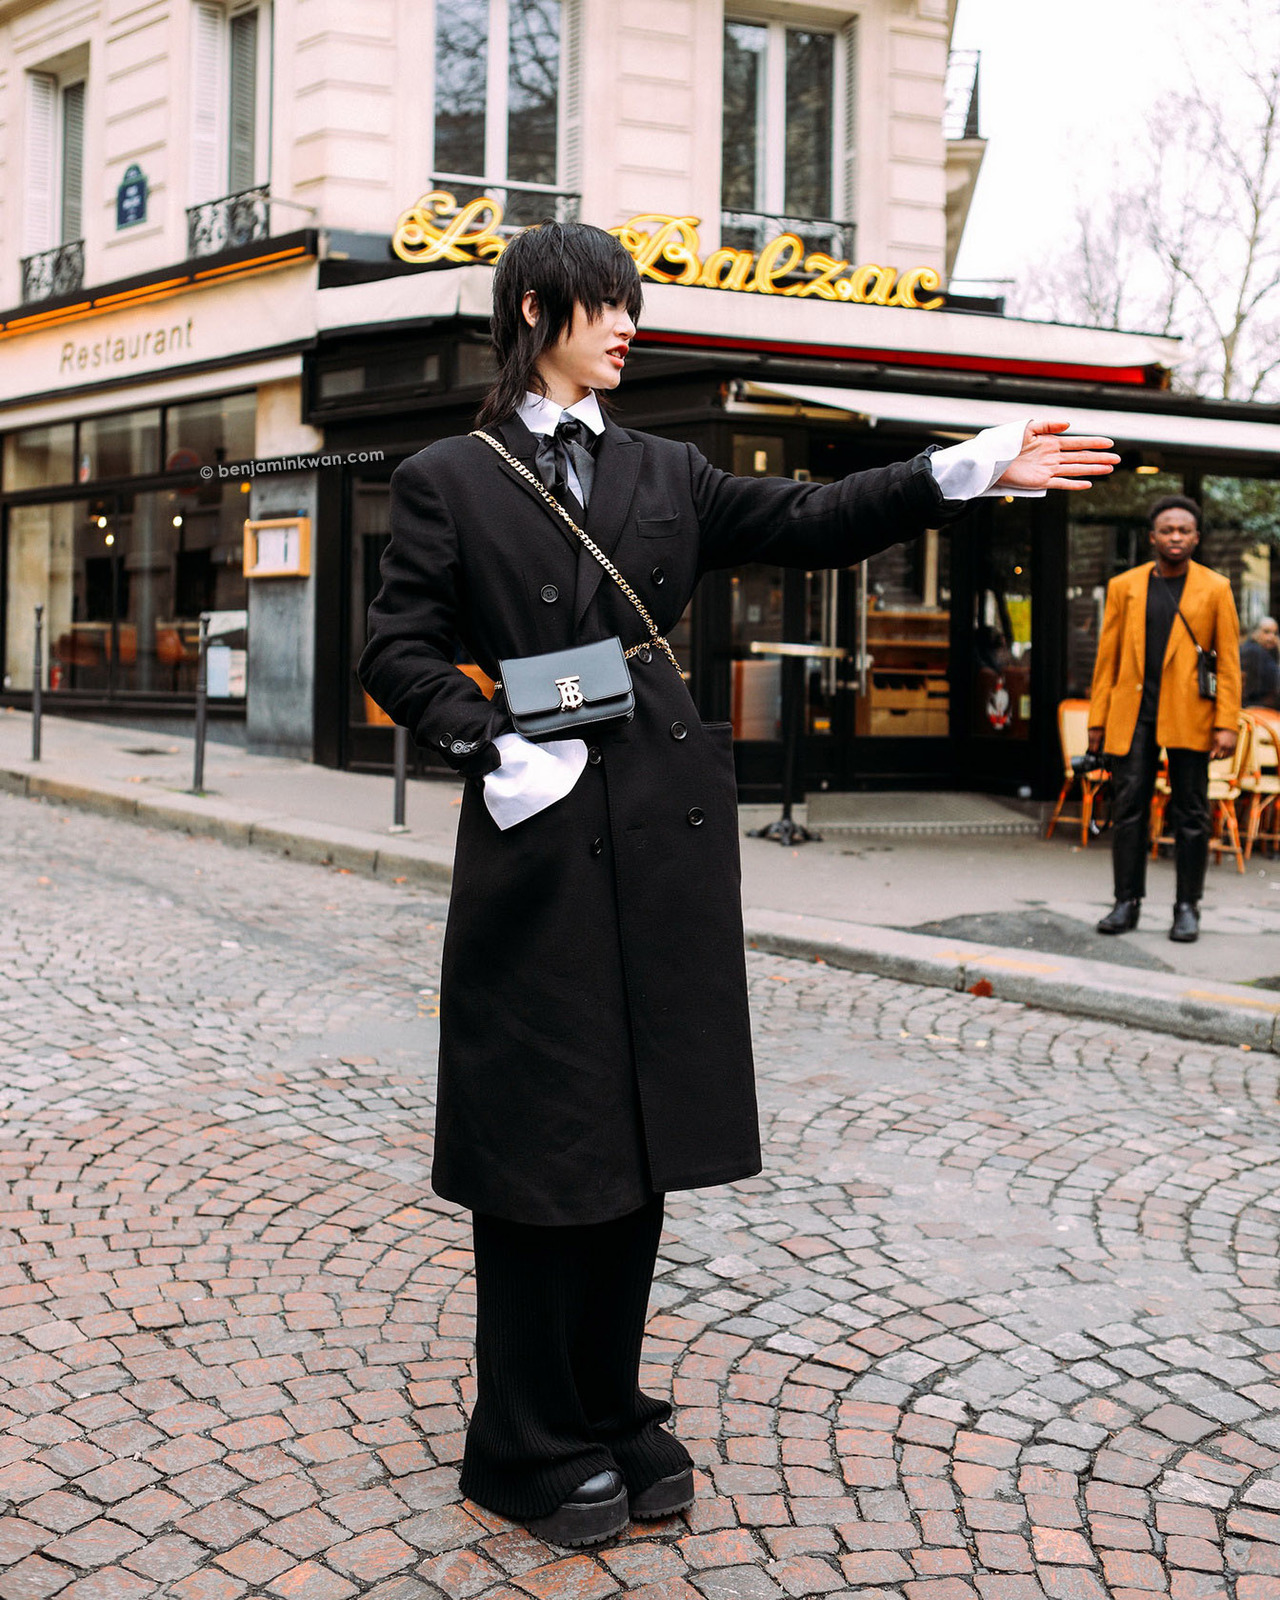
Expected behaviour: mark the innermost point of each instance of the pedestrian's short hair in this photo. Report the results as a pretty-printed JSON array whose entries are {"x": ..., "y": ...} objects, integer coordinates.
[
  {"x": 566, "y": 264},
  {"x": 1175, "y": 502}
]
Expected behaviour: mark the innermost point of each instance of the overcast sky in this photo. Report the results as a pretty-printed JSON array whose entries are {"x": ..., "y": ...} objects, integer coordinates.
[{"x": 1063, "y": 89}]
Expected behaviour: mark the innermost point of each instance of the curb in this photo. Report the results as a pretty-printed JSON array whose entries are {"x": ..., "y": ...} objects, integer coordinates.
[
  {"x": 320, "y": 844},
  {"x": 1219, "y": 1013},
  {"x": 1193, "y": 1008}
]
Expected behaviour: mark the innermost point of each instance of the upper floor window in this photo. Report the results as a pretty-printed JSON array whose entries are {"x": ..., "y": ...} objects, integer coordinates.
[
  {"x": 229, "y": 104},
  {"x": 500, "y": 94},
  {"x": 55, "y": 162},
  {"x": 787, "y": 146}
]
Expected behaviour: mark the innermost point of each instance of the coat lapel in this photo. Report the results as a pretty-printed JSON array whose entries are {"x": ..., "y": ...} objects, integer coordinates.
[
  {"x": 1190, "y": 603},
  {"x": 617, "y": 469},
  {"x": 523, "y": 446}
]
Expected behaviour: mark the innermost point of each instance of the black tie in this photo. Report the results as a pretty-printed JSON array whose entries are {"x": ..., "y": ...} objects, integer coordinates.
[{"x": 571, "y": 442}]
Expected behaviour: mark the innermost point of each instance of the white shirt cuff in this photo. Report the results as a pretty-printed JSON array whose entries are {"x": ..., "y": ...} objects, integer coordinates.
[
  {"x": 970, "y": 471},
  {"x": 531, "y": 777}
]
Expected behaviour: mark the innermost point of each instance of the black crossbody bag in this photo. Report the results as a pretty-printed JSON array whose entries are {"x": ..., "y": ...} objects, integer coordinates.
[
  {"x": 562, "y": 694},
  {"x": 1206, "y": 665}
]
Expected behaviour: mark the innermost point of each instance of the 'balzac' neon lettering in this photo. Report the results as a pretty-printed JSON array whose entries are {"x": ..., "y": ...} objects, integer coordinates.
[{"x": 667, "y": 249}]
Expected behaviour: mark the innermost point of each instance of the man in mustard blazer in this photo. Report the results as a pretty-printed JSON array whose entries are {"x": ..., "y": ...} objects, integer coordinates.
[{"x": 1146, "y": 694}]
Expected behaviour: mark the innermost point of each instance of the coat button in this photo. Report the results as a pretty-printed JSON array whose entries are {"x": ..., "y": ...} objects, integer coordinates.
[
  {"x": 461, "y": 747},
  {"x": 658, "y": 576},
  {"x": 695, "y": 816},
  {"x": 645, "y": 656},
  {"x": 445, "y": 742},
  {"x": 550, "y": 593},
  {"x": 594, "y": 756},
  {"x": 678, "y": 730},
  {"x": 597, "y": 847}
]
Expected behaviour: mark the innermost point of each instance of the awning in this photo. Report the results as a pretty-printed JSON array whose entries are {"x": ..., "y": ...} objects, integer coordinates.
[{"x": 961, "y": 413}]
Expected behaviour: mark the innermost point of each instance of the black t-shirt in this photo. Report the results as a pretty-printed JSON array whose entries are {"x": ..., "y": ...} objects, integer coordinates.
[{"x": 1164, "y": 596}]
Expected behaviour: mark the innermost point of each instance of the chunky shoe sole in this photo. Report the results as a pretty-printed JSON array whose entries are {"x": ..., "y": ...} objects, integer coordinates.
[
  {"x": 664, "y": 1498},
  {"x": 576, "y": 1525}
]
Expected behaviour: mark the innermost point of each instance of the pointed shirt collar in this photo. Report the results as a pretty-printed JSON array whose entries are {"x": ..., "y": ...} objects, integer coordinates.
[{"x": 540, "y": 414}]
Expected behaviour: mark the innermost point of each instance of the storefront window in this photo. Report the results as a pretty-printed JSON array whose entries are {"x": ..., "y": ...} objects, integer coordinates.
[
  {"x": 124, "y": 579},
  {"x": 125, "y": 445},
  {"x": 1242, "y": 527},
  {"x": 908, "y": 628},
  {"x": 755, "y": 612},
  {"x": 1000, "y": 707},
  {"x": 37, "y": 458},
  {"x": 206, "y": 432}
]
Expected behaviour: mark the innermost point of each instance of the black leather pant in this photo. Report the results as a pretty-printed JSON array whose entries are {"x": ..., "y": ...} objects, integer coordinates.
[{"x": 1133, "y": 779}]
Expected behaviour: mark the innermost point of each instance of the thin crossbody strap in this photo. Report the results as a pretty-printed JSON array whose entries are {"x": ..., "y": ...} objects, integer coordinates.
[
  {"x": 1194, "y": 640},
  {"x": 537, "y": 484}
]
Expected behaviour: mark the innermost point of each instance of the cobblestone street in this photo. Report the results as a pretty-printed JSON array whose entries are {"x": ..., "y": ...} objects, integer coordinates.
[{"x": 1002, "y": 1316}]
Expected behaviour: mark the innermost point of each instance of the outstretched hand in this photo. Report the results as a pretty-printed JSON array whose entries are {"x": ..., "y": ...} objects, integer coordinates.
[{"x": 1047, "y": 460}]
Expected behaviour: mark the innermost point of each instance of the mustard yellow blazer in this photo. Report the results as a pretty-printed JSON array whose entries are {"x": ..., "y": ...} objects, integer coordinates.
[{"x": 1184, "y": 721}]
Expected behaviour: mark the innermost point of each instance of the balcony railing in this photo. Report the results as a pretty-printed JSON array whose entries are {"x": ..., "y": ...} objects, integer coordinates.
[
  {"x": 53, "y": 272},
  {"x": 522, "y": 204},
  {"x": 224, "y": 224},
  {"x": 752, "y": 230},
  {"x": 960, "y": 119}
]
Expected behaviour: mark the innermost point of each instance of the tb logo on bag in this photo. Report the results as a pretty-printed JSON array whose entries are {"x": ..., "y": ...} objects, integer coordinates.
[{"x": 570, "y": 693}]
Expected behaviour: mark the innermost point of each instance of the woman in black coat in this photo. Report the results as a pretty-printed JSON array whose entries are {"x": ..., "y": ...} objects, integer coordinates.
[{"x": 595, "y": 1045}]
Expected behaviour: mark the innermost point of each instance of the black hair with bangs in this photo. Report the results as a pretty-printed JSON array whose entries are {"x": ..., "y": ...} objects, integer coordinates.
[{"x": 566, "y": 264}]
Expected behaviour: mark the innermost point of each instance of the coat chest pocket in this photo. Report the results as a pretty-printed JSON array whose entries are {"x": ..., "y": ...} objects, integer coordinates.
[{"x": 664, "y": 526}]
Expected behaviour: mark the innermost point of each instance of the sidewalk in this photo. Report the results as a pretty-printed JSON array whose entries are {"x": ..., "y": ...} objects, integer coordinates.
[{"x": 1006, "y": 909}]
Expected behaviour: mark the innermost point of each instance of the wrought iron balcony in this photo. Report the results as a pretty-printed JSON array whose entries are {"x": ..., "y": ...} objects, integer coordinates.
[
  {"x": 224, "y": 224},
  {"x": 960, "y": 119},
  {"x": 522, "y": 204},
  {"x": 752, "y": 230},
  {"x": 53, "y": 272}
]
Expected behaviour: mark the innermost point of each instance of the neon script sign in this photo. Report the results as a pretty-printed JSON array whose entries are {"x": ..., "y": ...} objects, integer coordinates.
[{"x": 667, "y": 249}]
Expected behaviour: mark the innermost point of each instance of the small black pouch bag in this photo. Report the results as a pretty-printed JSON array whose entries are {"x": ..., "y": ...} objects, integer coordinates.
[
  {"x": 564, "y": 693},
  {"x": 1206, "y": 665}
]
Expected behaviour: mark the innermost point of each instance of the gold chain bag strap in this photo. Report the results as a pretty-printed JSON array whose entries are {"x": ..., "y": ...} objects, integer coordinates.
[{"x": 537, "y": 484}]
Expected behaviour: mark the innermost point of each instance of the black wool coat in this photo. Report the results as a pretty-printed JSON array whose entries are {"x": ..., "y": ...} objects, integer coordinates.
[{"x": 595, "y": 1046}]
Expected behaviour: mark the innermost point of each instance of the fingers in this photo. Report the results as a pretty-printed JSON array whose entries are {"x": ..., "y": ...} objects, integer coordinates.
[
  {"x": 1102, "y": 457},
  {"x": 1093, "y": 446},
  {"x": 1074, "y": 483},
  {"x": 1083, "y": 469},
  {"x": 1077, "y": 443}
]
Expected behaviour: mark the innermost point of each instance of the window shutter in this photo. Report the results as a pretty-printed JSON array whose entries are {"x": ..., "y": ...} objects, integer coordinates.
[
  {"x": 849, "y": 132},
  {"x": 243, "y": 117},
  {"x": 571, "y": 97},
  {"x": 42, "y": 124},
  {"x": 72, "y": 162},
  {"x": 208, "y": 92}
]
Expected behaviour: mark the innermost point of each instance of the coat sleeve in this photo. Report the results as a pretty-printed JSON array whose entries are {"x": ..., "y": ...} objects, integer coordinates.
[
  {"x": 1108, "y": 661},
  {"x": 813, "y": 525},
  {"x": 1226, "y": 641},
  {"x": 408, "y": 664}
]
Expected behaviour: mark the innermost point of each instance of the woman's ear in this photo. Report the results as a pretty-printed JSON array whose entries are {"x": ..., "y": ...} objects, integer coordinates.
[{"x": 529, "y": 306}]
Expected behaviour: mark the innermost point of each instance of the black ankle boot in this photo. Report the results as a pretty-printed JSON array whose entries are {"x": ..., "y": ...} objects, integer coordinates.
[
  {"x": 664, "y": 1498},
  {"x": 1122, "y": 917},
  {"x": 594, "y": 1512},
  {"x": 1186, "y": 923}
]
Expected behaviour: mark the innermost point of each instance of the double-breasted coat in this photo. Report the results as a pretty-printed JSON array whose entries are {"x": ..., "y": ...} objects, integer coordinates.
[{"x": 595, "y": 1046}]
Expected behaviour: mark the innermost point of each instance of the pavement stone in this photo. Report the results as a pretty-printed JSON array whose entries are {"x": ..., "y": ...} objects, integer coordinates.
[{"x": 1001, "y": 1316}]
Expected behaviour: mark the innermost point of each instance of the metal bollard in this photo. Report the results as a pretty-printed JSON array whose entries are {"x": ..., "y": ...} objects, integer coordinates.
[
  {"x": 401, "y": 774},
  {"x": 37, "y": 684},
  {"x": 202, "y": 703}
]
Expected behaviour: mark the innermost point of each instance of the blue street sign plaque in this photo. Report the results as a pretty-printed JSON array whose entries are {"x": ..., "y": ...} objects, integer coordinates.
[{"x": 131, "y": 198}]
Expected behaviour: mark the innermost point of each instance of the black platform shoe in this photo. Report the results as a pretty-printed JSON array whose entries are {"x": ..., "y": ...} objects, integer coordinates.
[
  {"x": 594, "y": 1512},
  {"x": 1122, "y": 917},
  {"x": 664, "y": 1498},
  {"x": 1186, "y": 923}
]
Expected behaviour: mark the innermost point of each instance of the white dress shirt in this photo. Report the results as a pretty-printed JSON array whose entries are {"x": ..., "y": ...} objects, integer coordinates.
[{"x": 534, "y": 776}]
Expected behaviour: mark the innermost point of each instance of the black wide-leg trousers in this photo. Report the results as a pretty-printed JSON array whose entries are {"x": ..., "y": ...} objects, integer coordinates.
[
  {"x": 560, "y": 1315},
  {"x": 1133, "y": 781}
]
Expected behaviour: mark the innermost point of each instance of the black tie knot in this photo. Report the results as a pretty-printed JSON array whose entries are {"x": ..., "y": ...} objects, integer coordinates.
[
  {"x": 573, "y": 430},
  {"x": 572, "y": 443}
]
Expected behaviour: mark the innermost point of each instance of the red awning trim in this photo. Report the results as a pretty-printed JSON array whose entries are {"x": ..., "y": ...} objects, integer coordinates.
[{"x": 1145, "y": 377}]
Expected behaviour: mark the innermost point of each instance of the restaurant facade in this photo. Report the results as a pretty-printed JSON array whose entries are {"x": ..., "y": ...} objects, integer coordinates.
[{"x": 201, "y": 405}]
